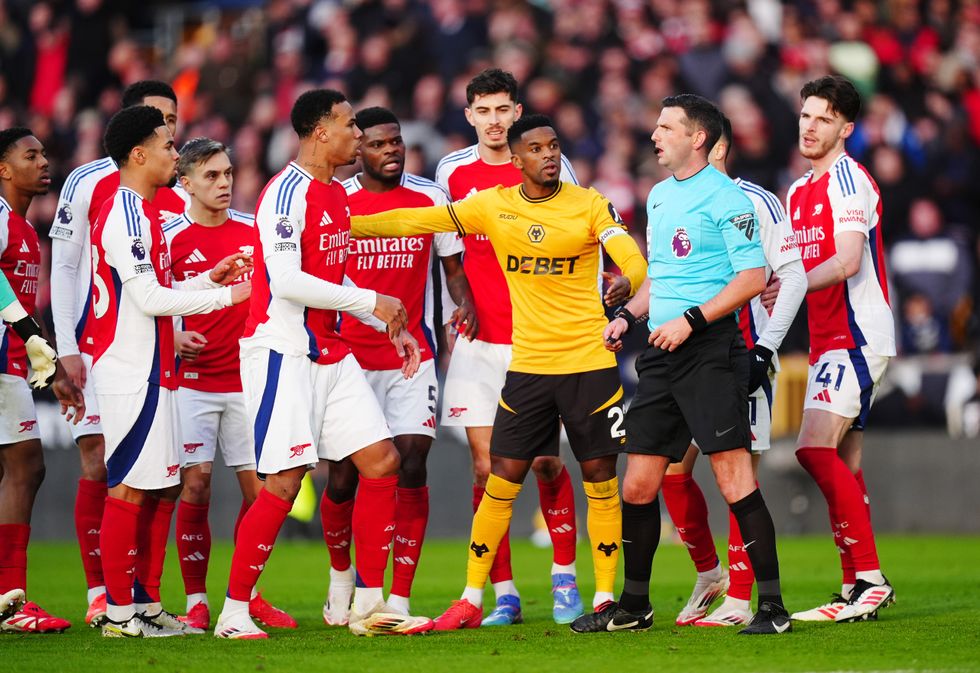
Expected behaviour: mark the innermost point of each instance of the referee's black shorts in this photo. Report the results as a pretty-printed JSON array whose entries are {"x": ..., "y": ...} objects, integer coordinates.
[
  {"x": 700, "y": 390},
  {"x": 533, "y": 408}
]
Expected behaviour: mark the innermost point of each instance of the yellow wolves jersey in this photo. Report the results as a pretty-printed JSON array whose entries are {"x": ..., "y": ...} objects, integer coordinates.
[{"x": 549, "y": 251}]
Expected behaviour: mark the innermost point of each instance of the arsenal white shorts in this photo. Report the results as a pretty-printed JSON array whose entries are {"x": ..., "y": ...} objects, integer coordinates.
[
  {"x": 141, "y": 436},
  {"x": 302, "y": 411},
  {"x": 760, "y": 413},
  {"x": 18, "y": 419},
  {"x": 409, "y": 405},
  {"x": 91, "y": 423},
  {"x": 845, "y": 382},
  {"x": 476, "y": 375},
  {"x": 209, "y": 421}
]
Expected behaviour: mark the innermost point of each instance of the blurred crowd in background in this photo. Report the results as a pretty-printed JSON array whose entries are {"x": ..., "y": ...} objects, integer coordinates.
[{"x": 599, "y": 68}]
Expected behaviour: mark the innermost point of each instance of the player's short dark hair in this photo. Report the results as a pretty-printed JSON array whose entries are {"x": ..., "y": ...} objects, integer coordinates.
[
  {"x": 701, "y": 112},
  {"x": 375, "y": 116},
  {"x": 726, "y": 134},
  {"x": 128, "y": 128},
  {"x": 135, "y": 93},
  {"x": 491, "y": 80},
  {"x": 198, "y": 150},
  {"x": 311, "y": 107},
  {"x": 842, "y": 97},
  {"x": 525, "y": 124},
  {"x": 9, "y": 137}
]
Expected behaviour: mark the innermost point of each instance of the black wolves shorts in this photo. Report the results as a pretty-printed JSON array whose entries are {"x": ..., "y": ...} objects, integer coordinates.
[
  {"x": 533, "y": 408},
  {"x": 700, "y": 390}
]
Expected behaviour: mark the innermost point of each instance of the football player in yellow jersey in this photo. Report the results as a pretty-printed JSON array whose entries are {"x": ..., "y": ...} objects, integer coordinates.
[{"x": 546, "y": 235}]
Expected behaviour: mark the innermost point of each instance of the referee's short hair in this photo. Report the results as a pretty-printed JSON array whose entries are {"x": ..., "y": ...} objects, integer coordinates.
[
  {"x": 841, "y": 96},
  {"x": 701, "y": 114},
  {"x": 726, "y": 136}
]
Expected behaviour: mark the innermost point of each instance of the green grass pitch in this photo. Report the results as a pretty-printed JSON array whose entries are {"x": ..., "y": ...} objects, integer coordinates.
[{"x": 934, "y": 626}]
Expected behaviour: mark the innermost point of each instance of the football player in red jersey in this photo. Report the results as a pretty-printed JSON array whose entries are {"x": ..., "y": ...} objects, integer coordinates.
[
  {"x": 479, "y": 360},
  {"x": 209, "y": 396},
  {"x": 302, "y": 385},
  {"x": 134, "y": 369},
  {"x": 82, "y": 197},
  {"x": 835, "y": 210},
  {"x": 23, "y": 175},
  {"x": 401, "y": 267}
]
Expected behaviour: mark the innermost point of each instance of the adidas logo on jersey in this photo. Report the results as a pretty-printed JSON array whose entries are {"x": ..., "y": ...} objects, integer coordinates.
[
  {"x": 404, "y": 560},
  {"x": 95, "y": 552},
  {"x": 196, "y": 256},
  {"x": 24, "y": 247},
  {"x": 564, "y": 528},
  {"x": 196, "y": 556},
  {"x": 431, "y": 423},
  {"x": 822, "y": 396}
]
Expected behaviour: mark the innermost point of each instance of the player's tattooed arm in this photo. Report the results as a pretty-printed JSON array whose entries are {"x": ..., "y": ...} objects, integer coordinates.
[{"x": 463, "y": 319}]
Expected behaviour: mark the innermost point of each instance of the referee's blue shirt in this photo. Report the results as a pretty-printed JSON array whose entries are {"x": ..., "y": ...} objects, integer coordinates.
[{"x": 701, "y": 231}]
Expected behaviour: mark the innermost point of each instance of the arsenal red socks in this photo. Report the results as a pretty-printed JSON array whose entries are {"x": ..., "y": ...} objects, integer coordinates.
[
  {"x": 374, "y": 527},
  {"x": 89, "y": 505},
  {"x": 193, "y": 546},
  {"x": 13, "y": 556},
  {"x": 256, "y": 537},
  {"x": 411, "y": 518},
  {"x": 558, "y": 507},
  {"x": 337, "y": 518},
  {"x": 739, "y": 566},
  {"x": 154, "y": 529},
  {"x": 688, "y": 510},
  {"x": 238, "y": 520},
  {"x": 849, "y": 515},
  {"x": 118, "y": 544}
]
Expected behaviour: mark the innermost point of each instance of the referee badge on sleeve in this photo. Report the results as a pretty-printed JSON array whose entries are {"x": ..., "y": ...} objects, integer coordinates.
[{"x": 745, "y": 223}]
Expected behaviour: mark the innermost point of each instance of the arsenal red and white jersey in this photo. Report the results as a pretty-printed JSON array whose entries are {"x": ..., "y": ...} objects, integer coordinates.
[
  {"x": 463, "y": 173},
  {"x": 779, "y": 246},
  {"x": 20, "y": 262},
  {"x": 85, "y": 191},
  {"x": 300, "y": 216},
  {"x": 854, "y": 313},
  {"x": 131, "y": 348},
  {"x": 195, "y": 249},
  {"x": 399, "y": 267}
]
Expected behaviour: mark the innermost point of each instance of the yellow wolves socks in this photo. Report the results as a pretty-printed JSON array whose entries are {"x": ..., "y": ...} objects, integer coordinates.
[
  {"x": 490, "y": 524},
  {"x": 605, "y": 524}
]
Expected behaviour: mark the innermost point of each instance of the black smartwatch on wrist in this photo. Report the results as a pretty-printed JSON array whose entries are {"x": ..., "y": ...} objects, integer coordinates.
[{"x": 624, "y": 313}]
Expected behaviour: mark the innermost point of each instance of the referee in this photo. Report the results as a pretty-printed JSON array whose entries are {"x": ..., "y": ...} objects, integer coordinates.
[{"x": 705, "y": 261}]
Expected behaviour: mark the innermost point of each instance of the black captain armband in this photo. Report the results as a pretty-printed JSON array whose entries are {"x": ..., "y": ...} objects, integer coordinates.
[{"x": 695, "y": 318}]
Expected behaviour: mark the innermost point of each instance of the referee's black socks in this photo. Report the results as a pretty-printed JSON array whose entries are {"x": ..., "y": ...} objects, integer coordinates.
[
  {"x": 641, "y": 535},
  {"x": 759, "y": 539}
]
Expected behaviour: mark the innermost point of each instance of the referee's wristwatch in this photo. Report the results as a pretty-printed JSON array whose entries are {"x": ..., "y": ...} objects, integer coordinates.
[{"x": 627, "y": 315}]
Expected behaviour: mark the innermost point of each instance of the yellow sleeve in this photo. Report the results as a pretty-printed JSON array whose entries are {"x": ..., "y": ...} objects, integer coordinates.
[
  {"x": 626, "y": 253},
  {"x": 463, "y": 217},
  {"x": 404, "y": 222}
]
